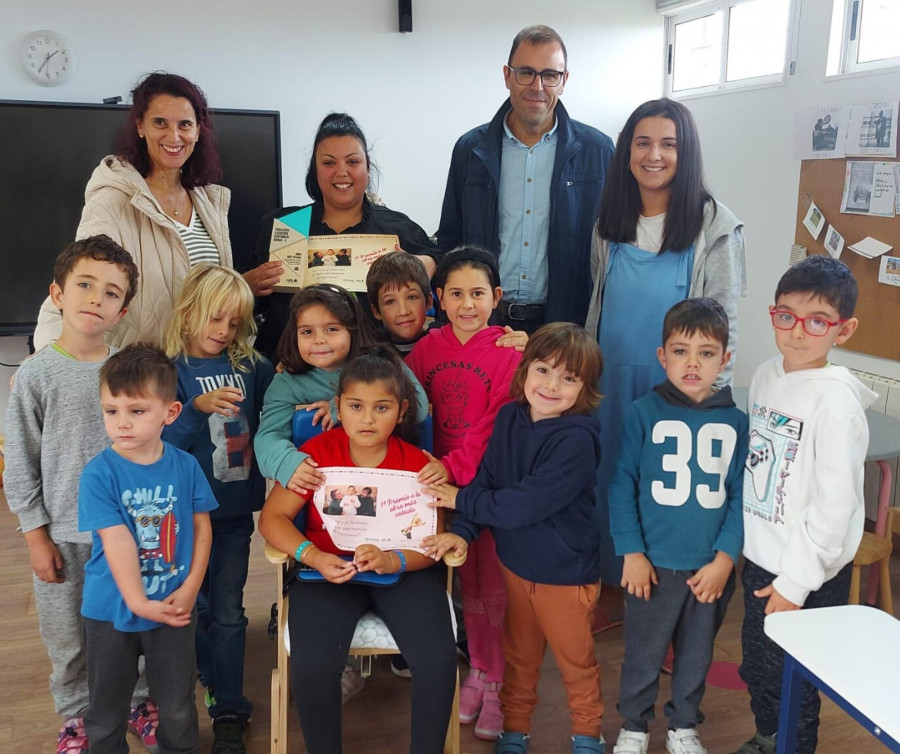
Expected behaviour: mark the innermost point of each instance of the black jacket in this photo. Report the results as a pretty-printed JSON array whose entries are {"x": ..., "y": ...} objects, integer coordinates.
[{"x": 470, "y": 210}]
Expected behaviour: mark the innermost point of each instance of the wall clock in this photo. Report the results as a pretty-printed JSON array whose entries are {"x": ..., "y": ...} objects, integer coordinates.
[{"x": 48, "y": 57}]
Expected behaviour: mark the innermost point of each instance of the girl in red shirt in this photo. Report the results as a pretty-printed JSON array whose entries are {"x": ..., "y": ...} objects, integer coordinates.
[{"x": 374, "y": 398}]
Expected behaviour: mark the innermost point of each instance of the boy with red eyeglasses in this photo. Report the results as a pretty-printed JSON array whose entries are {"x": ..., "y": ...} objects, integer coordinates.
[{"x": 803, "y": 485}]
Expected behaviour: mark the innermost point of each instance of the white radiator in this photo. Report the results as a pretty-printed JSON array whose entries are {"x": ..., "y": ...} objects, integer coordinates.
[{"x": 888, "y": 403}]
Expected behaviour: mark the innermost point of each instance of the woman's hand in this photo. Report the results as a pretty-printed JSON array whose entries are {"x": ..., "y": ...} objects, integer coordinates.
[
  {"x": 222, "y": 400},
  {"x": 445, "y": 495},
  {"x": 430, "y": 264},
  {"x": 306, "y": 477},
  {"x": 437, "y": 545},
  {"x": 333, "y": 568},
  {"x": 263, "y": 279},
  {"x": 434, "y": 472},
  {"x": 371, "y": 558},
  {"x": 323, "y": 414}
]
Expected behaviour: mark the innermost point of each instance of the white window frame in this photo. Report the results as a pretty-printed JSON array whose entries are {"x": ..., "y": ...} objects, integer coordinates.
[
  {"x": 723, "y": 85},
  {"x": 849, "y": 17}
]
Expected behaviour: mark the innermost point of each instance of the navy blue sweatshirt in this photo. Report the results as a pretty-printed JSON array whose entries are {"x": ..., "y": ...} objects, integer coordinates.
[
  {"x": 223, "y": 445},
  {"x": 535, "y": 490}
]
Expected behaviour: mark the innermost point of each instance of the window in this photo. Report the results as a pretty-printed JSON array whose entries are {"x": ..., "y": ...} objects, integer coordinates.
[
  {"x": 863, "y": 36},
  {"x": 727, "y": 45}
]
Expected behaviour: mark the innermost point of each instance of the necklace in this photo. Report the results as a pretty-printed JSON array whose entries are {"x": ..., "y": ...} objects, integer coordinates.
[{"x": 173, "y": 200}]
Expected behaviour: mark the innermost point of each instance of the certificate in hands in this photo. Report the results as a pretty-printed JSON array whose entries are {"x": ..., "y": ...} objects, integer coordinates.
[{"x": 382, "y": 507}]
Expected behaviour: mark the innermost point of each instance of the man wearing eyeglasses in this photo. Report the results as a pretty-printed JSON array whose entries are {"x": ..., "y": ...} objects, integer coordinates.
[{"x": 527, "y": 187}]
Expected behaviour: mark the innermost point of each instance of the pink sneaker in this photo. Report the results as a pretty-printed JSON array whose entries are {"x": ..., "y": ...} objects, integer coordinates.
[
  {"x": 471, "y": 694},
  {"x": 143, "y": 721},
  {"x": 490, "y": 720},
  {"x": 72, "y": 737}
]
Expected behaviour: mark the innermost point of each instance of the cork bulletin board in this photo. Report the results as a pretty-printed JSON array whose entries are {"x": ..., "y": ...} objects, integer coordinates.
[{"x": 878, "y": 308}]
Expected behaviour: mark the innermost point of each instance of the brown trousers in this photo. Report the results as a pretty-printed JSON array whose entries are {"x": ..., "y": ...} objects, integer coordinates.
[{"x": 542, "y": 614}]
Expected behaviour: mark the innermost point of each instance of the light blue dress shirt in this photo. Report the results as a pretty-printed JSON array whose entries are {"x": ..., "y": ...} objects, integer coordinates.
[{"x": 525, "y": 174}]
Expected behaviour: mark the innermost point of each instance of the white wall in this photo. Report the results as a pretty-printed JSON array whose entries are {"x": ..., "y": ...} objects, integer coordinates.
[
  {"x": 749, "y": 161},
  {"x": 413, "y": 94}
]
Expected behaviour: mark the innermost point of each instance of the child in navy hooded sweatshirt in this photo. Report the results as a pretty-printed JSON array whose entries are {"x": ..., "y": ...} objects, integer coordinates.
[{"x": 535, "y": 490}]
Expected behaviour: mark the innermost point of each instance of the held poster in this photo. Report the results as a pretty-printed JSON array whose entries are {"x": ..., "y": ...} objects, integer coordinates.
[{"x": 382, "y": 507}]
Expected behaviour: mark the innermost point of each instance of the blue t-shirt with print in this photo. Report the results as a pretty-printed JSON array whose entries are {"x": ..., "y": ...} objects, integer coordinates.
[{"x": 157, "y": 503}]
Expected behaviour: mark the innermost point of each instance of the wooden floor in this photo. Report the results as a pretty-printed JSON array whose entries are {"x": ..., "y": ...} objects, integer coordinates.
[{"x": 376, "y": 720}]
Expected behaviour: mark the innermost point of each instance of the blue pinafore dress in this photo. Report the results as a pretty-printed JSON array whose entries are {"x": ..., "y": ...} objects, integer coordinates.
[{"x": 641, "y": 286}]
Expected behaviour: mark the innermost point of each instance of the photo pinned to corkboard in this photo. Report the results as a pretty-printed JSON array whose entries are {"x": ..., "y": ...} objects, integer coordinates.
[{"x": 822, "y": 184}]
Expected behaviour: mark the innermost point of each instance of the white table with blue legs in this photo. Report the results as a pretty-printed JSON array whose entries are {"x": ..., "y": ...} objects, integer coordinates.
[{"x": 850, "y": 653}]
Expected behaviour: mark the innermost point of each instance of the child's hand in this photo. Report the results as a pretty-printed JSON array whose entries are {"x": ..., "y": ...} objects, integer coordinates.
[
  {"x": 776, "y": 603},
  {"x": 708, "y": 583},
  {"x": 46, "y": 562},
  {"x": 445, "y": 495},
  {"x": 334, "y": 569},
  {"x": 183, "y": 599},
  {"x": 371, "y": 558},
  {"x": 323, "y": 414},
  {"x": 637, "y": 574},
  {"x": 512, "y": 339},
  {"x": 306, "y": 477},
  {"x": 433, "y": 472},
  {"x": 222, "y": 400},
  {"x": 163, "y": 612},
  {"x": 437, "y": 545}
]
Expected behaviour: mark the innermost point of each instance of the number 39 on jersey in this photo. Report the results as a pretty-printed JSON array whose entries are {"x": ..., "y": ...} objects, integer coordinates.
[{"x": 712, "y": 450}]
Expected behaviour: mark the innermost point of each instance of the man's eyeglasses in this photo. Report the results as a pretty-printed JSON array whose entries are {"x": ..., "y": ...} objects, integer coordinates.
[
  {"x": 526, "y": 76},
  {"x": 815, "y": 326}
]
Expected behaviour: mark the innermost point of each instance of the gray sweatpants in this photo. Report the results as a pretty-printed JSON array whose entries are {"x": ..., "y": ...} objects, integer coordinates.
[
  {"x": 673, "y": 615},
  {"x": 62, "y": 631}
]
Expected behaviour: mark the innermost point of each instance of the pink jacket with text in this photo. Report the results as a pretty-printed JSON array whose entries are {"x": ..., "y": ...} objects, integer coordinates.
[{"x": 467, "y": 385}]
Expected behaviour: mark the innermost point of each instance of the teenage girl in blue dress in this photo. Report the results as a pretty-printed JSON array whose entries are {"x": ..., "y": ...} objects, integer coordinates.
[{"x": 660, "y": 238}]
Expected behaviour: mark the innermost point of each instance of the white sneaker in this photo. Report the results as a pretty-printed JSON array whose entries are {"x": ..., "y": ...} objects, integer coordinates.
[
  {"x": 631, "y": 742},
  {"x": 684, "y": 741}
]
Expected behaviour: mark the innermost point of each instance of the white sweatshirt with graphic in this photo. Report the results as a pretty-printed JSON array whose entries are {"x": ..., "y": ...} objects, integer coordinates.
[{"x": 803, "y": 484}]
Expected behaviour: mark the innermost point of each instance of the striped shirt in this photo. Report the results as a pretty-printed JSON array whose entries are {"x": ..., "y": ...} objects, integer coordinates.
[{"x": 199, "y": 245}]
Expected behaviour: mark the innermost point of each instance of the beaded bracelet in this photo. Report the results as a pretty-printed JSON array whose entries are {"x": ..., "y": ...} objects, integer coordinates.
[
  {"x": 402, "y": 561},
  {"x": 300, "y": 548}
]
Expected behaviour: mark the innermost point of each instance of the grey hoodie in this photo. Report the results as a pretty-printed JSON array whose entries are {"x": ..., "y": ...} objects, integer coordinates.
[{"x": 720, "y": 272}]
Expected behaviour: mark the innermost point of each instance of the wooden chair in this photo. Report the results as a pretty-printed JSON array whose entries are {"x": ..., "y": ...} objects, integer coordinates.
[
  {"x": 371, "y": 638},
  {"x": 874, "y": 550}
]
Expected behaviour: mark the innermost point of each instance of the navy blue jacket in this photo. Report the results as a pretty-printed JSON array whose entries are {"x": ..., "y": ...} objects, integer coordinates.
[
  {"x": 535, "y": 490},
  {"x": 470, "y": 211}
]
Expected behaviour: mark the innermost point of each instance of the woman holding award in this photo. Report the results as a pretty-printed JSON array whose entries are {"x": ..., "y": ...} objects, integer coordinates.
[
  {"x": 338, "y": 179},
  {"x": 158, "y": 199}
]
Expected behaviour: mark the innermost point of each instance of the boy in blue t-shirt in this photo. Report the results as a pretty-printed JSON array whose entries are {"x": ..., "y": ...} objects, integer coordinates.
[
  {"x": 147, "y": 505},
  {"x": 675, "y": 514}
]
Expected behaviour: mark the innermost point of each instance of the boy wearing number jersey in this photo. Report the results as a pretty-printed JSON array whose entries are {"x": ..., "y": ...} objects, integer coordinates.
[{"x": 675, "y": 514}]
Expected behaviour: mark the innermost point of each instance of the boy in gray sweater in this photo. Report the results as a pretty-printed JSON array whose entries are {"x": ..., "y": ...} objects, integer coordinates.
[{"x": 54, "y": 426}]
